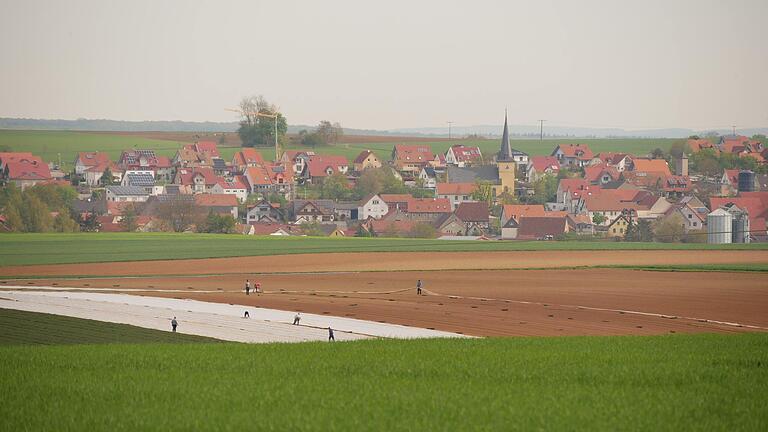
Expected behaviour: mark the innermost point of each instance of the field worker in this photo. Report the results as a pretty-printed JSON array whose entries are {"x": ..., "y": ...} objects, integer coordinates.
[
  {"x": 258, "y": 287},
  {"x": 330, "y": 335},
  {"x": 247, "y": 287},
  {"x": 246, "y": 315},
  {"x": 174, "y": 323},
  {"x": 297, "y": 318},
  {"x": 418, "y": 287}
]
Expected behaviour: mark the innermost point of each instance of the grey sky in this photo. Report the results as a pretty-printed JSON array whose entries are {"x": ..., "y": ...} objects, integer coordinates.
[{"x": 366, "y": 64}]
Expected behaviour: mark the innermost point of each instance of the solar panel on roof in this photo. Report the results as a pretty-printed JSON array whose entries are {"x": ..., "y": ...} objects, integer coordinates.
[{"x": 140, "y": 180}]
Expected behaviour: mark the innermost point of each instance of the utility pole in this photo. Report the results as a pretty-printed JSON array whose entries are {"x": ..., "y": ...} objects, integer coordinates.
[
  {"x": 541, "y": 130},
  {"x": 734, "y": 130},
  {"x": 449, "y": 130}
]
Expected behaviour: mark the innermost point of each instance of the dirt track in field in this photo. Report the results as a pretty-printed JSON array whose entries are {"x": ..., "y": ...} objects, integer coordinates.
[
  {"x": 392, "y": 261},
  {"x": 493, "y": 303}
]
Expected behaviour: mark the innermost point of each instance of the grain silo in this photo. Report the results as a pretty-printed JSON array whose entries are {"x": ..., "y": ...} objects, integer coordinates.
[
  {"x": 739, "y": 224},
  {"x": 746, "y": 181},
  {"x": 719, "y": 227}
]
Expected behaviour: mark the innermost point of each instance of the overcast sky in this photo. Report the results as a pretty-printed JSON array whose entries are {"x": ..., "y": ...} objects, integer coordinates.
[{"x": 388, "y": 64}]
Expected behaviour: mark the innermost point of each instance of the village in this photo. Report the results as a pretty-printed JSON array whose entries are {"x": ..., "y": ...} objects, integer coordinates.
[{"x": 574, "y": 193}]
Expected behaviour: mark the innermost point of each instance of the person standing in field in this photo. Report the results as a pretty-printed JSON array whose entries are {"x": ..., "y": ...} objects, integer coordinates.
[
  {"x": 330, "y": 335},
  {"x": 418, "y": 287},
  {"x": 297, "y": 318},
  {"x": 247, "y": 287},
  {"x": 174, "y": 324},
  {"x": 257, "y": 287}
]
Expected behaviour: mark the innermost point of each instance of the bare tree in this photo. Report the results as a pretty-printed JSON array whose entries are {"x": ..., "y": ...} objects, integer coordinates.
[{"x": 178, "y": 214}]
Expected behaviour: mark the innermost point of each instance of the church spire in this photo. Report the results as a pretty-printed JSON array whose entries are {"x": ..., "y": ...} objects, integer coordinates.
[{"x": 505, "y": 153}]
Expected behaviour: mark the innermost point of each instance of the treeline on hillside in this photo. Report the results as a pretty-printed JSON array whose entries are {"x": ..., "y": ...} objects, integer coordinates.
[{"x": 41, "y": 208}]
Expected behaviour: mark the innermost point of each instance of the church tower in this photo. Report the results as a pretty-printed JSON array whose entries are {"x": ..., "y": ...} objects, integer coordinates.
[{"x": 506, "y": 163}]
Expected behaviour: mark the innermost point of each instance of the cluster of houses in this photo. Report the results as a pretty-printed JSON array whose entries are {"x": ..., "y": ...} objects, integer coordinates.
[{"x": 597, "y": 193}]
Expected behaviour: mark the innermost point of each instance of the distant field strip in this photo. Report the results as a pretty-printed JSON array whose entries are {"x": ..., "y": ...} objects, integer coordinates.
[{"x": 28, "y": 249}]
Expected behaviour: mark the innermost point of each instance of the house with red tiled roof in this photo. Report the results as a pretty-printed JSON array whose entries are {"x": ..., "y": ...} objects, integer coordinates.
[
  {"x": 6, "y": 157},
  {"x": 272, "y": 229},
  {"x": 427, "y": 209},
  {"x": 396, "y": 201},
  {"x": 517, "y": 211},
  {"x": 366, "y": 159},
  {"x": 456, "y": 193},
  {"x": 87, "y": 160},
  {"x": 461, "y": 155},
  {"x": 619, "y": 161},
  {"x": 540, "y": 166},
  {"x": 319, "y": 167},
  {"x": 223, "y": 204},
  {"x": 601, "y": 174},
  {"x": 573, "y": 155},
  {"x": 541, "y": 228},
  {"x": 475, "y": 217},
  {"x": 696, "y": 145},
  {"x": 395, "y": 224},
  {"x": 610, "y": 203},
  {"x": 24, "y": 171},
  {"x": 247, "y": 157},
  {"x": 196, "y": 180},
  {"x": 236, "y": 186},
  {"x": 93, "y": 174},
  {"x": 411, "y": 158},
  {"x": 643, "y": 165},
  {"x": 693, "y": 212}
]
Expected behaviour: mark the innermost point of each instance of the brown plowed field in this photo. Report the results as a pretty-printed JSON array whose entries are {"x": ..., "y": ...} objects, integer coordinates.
[
  {"x": 393, "y": 261},
  {"x": 475, "y": 302}
]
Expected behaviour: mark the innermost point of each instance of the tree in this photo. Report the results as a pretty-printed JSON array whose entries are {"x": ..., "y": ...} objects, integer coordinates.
[
  {"x": 423, "y": 230},
  {"x": 312, "y": 140},
  {"x": 335, "y": 187},
  {"x": 63, "y": 222},
  {"x": 678, "y": 148},
  {"x": 107, "y": 179},
  {"x": 545, "y": 189},
  {"x": 178, "y": 214},
  {"x": 362, "y": 232},
  {"x": 256, "y": 130},
  {"x": 311, "y": 229},
  {"x": 379, "y": 180},
  {"x": 216, "y": 223},
  {"x": 54, "y": 196},
  {"x": 13, "y": 220},
  {"x": 128, "y": 221},
  {"x": 35, "y": 214},
  {"x": 483, "y": 192},
  {"x": 657, "y": 153},
  {"x": 90, "y": 223},
  {"x": 669, "y": 229},
  {"x": 598, "y": 218}
]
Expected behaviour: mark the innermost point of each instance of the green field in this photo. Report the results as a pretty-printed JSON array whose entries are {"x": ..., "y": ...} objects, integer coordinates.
[
  {"x": 675, "y": 382},
  {"x": 52, "y": 144},
  {"x": 30, "y": 328},
  {"x": 25, "y": 249}
]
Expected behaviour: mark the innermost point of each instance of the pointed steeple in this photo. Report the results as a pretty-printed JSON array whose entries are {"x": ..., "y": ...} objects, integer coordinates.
[{"x": 505, "y": 153}]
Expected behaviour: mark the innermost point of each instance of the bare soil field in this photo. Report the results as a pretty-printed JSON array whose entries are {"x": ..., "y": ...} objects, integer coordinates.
[
  {"x": 392, "y": 261},
  {"x": 474, "y": 302}
]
